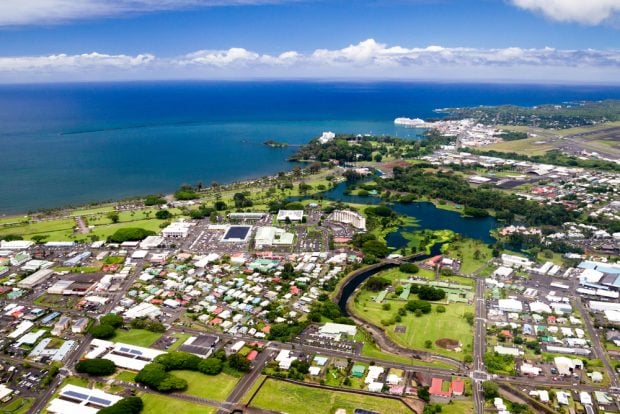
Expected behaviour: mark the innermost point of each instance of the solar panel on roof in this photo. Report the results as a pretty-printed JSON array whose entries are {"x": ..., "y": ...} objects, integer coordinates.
[
  {"x": 135, "y": 352},
  {"x": 100, "y": 401},
  {"x": 123, "y": 349},
  {"x": 237, "y": 232},
  {"x": 75, "y": 394}
]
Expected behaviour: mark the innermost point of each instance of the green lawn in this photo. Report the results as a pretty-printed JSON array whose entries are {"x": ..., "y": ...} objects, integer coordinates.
[
  {"x": 17, "y": 406},
  {"x": 215, "y": 387},
  {"x": 294, "y": 399},
  {"x": 466, "y": 251},
  {"x": 126, "y": 376},
  {"x": 371, "y": 350},
  {"x": 181, "y": 338},
  {"x": 138, "y": 337},
  {"x": 433, "y": 326},
  {"x": 458, "y": 407},
  {"x": 159, "y": 404}
]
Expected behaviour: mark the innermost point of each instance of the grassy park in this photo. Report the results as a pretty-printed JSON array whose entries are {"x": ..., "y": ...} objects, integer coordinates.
[
  {"x": 159, "y": 404},
  {"x": 435, "y": 326},
  {"x": 293, "y": 399},
  {"x": 207, "y": 386},
  {"x": 138, "y": 337}
]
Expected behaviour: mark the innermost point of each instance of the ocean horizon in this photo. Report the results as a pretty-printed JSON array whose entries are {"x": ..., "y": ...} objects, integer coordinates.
[{"x": 71, "y": 144}]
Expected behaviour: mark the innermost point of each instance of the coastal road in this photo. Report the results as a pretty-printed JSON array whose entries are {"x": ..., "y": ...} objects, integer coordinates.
[{"x": 479, "y": 373}]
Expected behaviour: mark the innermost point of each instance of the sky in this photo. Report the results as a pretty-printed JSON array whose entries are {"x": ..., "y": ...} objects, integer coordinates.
[{"x": 572, "y": 41}]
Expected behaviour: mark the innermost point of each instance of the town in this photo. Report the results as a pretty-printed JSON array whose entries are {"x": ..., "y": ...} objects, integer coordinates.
[{"x": 325, "y": 284}]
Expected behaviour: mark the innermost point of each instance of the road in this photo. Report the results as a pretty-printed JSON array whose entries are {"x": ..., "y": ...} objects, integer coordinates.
[
  {"x": 83, "y": 346},
  {"x": 597, "y": 347},
  {"x": 479, "y": 372}
]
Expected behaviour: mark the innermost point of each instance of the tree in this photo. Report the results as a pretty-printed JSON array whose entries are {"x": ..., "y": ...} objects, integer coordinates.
[
  {"x": 38, "y": 238},
  {"x": 112, "y": 319},
  {"x": 130, "y": 234},
  {"x": 96, "y": 366},
  {"x": 154, "y": 200},
  {"x": 239, "y": 363},
  {"x": 418, "y": 305},
  {"x": 128, "y": 405},
  {"x": 113, "y": 216},
  {"x": 163, "y": 215},
  {"x": 210, "y": 366},
  {"x": 409, "y": 268},
  {"x": 428, "y": 344},
  {"x": 375, "y": 248},
  {"x": 423, "y": 394},
  {"x": 490, "y": 390},
  {"x": 220, "y": 205},
  {"x": 378, "y": 157},
  {"x": 440, "y": 309},
  {"x": 102, "y": 331},
  {"x": 377, "y": 283}
]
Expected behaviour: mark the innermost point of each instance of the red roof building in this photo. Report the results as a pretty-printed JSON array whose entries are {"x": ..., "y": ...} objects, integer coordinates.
[
  {"x": 439, "y": 390},
  {"x": 458, "y": 387},
  {"x": 252, "y": 355}
]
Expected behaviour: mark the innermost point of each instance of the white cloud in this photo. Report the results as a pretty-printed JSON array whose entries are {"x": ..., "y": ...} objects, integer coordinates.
[
  {"x": 26, "y": 12},
  {"x": 589, "y": 12},
  {"x": 367, "y": 59},
  {"x": 68, "y": 63}
]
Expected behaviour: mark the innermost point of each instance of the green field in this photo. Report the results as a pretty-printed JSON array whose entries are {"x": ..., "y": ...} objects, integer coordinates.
[
  {"x": 214, "y": 387},
  {"x": 17, "y": 406},
  {"x": 294, "y": 399},
  {"x": 371, "y": 350},
  {"x": 159, "y": 404},
  {"x": 458, "y": 407},
  {"x": 465, "y": 250},
  {"x": 126, "y": 376},
  {"x": 138, "y": 337},
  {"x": 433, "y": 326},
  {"x": 181, "y": 338}
]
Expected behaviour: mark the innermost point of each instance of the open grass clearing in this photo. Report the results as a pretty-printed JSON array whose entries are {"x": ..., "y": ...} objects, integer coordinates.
[
  {"x": 160, "y": 404},
  {"x": 434, "y": 326},
  {"x": 214, "y": 387},
  {"x": 17, "y": 406},
  {"x": 138, "y": 337},
  {"x": 294, "y": 399}
]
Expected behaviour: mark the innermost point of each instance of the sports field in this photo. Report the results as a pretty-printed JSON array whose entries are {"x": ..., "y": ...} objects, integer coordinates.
[{"x": 138, "y": 337}]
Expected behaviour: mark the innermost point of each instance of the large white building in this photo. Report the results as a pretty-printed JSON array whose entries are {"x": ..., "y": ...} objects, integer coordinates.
[
  {"x": 35, "y": 279},
  {"x": 177, "y": 230},
  {"x": 350, "y": 217},
  {"x": 516, "y": 261},
  {"x": 510, "y": 305},
  {"x": 292, "y": 215},
  {"x": 272, "y": 236},
  {"x": 74, "y": 399},
  {"x": 123, "y": 355}
]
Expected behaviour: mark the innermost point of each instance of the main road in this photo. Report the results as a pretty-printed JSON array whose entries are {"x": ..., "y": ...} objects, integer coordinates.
[{"x": 479, "y": 373}]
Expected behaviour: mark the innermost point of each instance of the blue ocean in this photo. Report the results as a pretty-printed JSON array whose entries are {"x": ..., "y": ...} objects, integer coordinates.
[{"x": 69, "y": 144}]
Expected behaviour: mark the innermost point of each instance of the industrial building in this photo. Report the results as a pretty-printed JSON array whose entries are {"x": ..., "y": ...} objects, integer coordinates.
[
  {"x": 35, "y": 279},
  {"x": 177, "y": 230}
]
